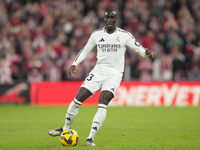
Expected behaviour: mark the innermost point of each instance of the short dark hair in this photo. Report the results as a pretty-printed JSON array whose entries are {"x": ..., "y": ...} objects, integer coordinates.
[{"x": 111, "y": 9}]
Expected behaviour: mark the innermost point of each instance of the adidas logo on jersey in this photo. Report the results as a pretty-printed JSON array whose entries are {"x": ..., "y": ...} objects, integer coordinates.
[{"x": 101, "y": 40}]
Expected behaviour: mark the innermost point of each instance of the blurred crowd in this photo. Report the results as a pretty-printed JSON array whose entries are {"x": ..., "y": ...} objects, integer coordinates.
[{"x": 39, "y": 39}]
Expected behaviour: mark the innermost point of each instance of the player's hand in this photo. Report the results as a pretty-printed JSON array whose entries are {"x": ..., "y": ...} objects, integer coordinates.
[
  {"x": 149, "y": 54},
  {"x": 72, "y": 69}
]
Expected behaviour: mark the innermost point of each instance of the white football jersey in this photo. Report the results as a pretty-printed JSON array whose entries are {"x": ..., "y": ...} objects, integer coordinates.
[{"x": 110, "y": 48}]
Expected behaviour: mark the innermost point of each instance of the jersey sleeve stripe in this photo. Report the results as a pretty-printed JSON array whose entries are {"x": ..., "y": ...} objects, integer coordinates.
[
  {"x": 127, "y": 33},
  {"x": 97, "y": 30},
  {"x": 79, "y": 54}
]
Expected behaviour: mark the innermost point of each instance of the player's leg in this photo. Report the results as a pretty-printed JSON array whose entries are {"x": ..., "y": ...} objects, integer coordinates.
[
  {"x": 73, "y": 108},
  {"x": 72, "y": 111},
  {"x": 89, "y": 87},
  {"x": 104, "y": 99},
  {"x": 109, "y": 89}
]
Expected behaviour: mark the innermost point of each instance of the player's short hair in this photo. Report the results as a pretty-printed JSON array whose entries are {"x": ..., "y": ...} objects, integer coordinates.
[{"x": 111, "y": 9}]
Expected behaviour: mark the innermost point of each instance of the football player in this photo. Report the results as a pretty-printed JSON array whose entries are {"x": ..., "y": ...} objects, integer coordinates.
[{"x": 111, "y": 42}]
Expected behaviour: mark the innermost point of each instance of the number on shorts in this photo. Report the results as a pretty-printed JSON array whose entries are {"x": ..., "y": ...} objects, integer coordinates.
[{"x": 90, "y": 77}]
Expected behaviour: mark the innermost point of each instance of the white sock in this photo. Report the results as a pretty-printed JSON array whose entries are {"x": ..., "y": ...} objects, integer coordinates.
[
  {"x": 71, "y": 114},
  {"x": 98, "y": 120}
]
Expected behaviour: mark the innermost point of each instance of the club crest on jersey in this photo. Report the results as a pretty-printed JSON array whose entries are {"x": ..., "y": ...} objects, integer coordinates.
[{"x": 118, "y": 39}]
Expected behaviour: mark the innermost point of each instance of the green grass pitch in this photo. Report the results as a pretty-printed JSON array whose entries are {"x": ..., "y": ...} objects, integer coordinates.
[{"x": 24, "y": 127}]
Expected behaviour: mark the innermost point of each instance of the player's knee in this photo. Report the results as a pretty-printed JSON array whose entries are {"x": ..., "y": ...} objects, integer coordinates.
[
  {"x": 83, "y": 94},
  {"x": 105, "y": 97}
]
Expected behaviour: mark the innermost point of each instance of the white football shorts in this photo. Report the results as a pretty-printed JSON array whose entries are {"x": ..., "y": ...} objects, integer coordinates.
[{"x": 102, "y": 79}]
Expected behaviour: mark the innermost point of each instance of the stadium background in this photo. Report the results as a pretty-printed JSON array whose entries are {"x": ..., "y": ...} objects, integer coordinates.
[
  {"x": 40, "y": 39},
  {"x": 38, "y": 42}
]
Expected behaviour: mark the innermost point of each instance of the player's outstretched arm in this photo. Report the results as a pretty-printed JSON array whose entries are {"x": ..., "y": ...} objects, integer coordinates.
[
  {"x": 149, "y": 54},
  {"x": 72, "y": 69}
]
